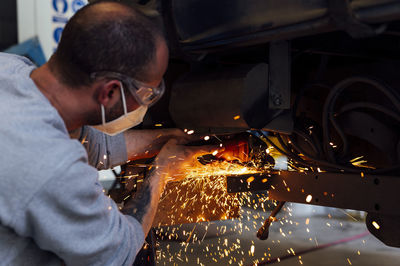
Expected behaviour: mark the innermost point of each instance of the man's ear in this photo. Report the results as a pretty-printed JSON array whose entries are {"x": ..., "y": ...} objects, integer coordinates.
[{"x": 109, "y": 92}]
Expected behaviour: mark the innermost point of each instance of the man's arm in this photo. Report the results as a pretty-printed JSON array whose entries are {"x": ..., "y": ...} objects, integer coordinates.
[
  {"x": 70, "y": 215},
  {"x": 144, "y": 204},
  {"x": 105, "y": 152},
  {"x": 147, "y": 143}
]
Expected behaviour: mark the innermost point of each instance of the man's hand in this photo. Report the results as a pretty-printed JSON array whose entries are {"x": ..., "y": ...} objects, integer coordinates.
[
  {"x": 174, "y": 158},
  {"x": 142, "y": 144},
  {"x": 170, "y": 165}
]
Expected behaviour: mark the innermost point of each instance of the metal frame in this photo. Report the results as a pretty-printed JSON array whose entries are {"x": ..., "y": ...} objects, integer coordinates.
[
  {"x": 364, "y": 192},
  {"x": 370, "y": 193}
]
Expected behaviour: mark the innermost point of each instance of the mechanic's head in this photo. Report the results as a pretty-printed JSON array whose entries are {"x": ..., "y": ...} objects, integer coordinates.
[{"x": 106, "y": 46}]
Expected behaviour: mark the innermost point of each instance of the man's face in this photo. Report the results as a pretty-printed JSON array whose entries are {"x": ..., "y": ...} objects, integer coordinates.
[
  {"x": 156, "y": 73},
  {"x": 117, "y": 109}
]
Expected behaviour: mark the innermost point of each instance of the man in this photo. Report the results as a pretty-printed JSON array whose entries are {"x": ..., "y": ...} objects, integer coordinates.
[{"x": 106, "y": 72}]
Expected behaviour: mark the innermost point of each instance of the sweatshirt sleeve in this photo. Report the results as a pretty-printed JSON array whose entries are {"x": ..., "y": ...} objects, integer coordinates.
[
  {"x": 71, "y": 217},
  {"x": 104, "y": 152}
]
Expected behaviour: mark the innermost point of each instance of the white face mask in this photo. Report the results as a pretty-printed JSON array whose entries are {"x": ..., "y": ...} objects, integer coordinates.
[{"x": 124, "y": 122}]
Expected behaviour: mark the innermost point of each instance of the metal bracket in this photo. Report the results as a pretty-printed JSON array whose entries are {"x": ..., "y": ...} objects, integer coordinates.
[{"x": 279, "y": 75}]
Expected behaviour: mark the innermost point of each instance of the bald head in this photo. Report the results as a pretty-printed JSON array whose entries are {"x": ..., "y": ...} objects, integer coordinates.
[
  {"x": 104, "y": 10},
  {"x": 106, "y": 36}
]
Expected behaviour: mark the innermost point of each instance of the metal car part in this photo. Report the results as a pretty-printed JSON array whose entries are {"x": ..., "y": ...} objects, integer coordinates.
[
  {"x": 377, "y": 195},
  {"x": 279, "y": 75},
  {"x": 230, "y": 99},
  {"x": 248, "y": 23},
  {"x": 209, "y": 100}
]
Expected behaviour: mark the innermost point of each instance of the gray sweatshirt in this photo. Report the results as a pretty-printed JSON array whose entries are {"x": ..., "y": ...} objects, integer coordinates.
[{"x": 52, "y": 207}]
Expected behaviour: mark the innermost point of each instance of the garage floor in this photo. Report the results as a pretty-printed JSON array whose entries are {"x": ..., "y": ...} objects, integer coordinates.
[{"x": 299, "y": 238}]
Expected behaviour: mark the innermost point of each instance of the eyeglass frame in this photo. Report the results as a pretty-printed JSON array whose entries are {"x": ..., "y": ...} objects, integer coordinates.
[{"x": 132, "y": 85}]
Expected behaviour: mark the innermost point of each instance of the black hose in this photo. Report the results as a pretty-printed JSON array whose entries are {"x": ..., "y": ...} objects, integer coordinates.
[
  {"x": 332, "y": 167},
  {"x": 296, "y": 147},
  {"x": 287, "y": 149},
  {"x": 286, "y": 153},
  {"x": 345, "y": 144},
  {"x": 308, "y": 140},
  {"x": 300, "y": 161},
  {"x": 373, "y": 106},
  {"x": 359, "y": 105},
  {"x": 330, "y": 101}
]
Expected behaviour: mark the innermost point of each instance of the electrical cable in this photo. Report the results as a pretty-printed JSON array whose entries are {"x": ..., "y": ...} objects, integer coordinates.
[
  {"x": 345, "y": 168},
  {"x": 373, "y": 106},
  {"x": 297, "y": 147},
  {"x": 328, "y": 114},
  {"x": 308, "y": 140},
  {"x": 332, "y": 167},
  {"x": 287, "y": 149},
  {"x": 297, "y": 159},
  {"x": 265, "y": 139},
  {"x": 323, "y": 163},
  {"x": 352, "y": 170},
  {"x": 345, "y": 144},
  {"x": 359, "y": 105}
]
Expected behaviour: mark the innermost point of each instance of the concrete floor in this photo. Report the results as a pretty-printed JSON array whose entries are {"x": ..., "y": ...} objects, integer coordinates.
[{"x": 230, "y": 242}]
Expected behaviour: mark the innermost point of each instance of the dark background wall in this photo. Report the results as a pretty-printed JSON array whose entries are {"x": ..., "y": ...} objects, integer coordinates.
[{"x": 8, "y": 23}]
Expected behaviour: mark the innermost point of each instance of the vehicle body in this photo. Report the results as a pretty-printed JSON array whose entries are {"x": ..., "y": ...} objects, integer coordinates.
[{"x": 321, "y": 76}]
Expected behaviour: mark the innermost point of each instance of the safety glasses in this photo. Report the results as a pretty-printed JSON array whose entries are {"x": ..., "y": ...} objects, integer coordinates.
[{"x": 143, "y": 93}]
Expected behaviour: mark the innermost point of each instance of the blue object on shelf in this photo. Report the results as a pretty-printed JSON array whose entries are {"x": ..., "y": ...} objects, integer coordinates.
[{"x": 31, "y": 49}]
